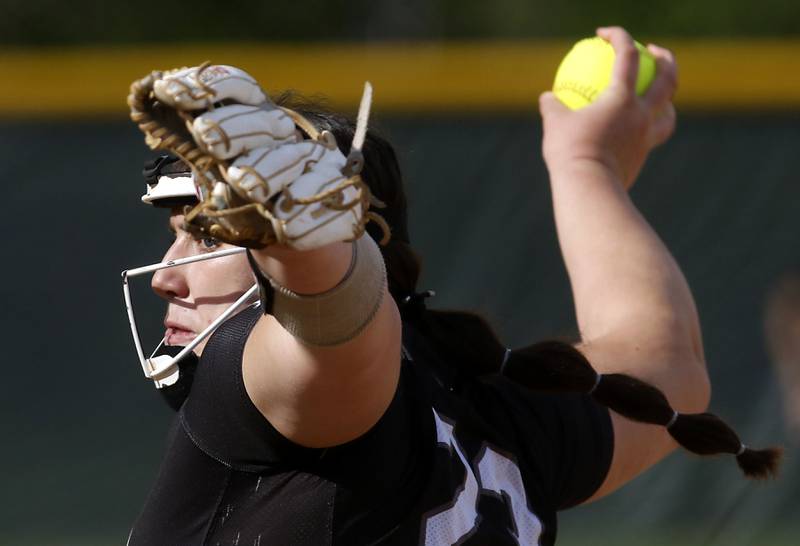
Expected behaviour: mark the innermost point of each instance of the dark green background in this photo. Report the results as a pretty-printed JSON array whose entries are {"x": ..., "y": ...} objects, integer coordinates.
[
  {"x": 82, "y": 431},
  {"x": 92, "y": 21}
]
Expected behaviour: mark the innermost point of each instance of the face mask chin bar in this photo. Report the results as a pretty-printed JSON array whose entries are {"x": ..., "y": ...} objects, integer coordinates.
[{"x": 163, "y": 369}]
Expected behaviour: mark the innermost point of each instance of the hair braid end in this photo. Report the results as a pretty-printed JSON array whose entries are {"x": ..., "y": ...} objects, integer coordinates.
[{"x": 760, "y": 464}]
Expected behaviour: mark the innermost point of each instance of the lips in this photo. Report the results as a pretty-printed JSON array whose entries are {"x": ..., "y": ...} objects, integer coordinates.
[{"x": 178, "y": 336}]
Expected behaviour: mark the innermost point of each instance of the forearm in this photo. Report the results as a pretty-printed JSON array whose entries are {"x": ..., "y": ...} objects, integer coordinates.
[
  {"x": 341, "y": 293},
  {"x": 339, "y": 289},
  {"x": 628, "y": 289},
  {"x": 322, "y": 394}
]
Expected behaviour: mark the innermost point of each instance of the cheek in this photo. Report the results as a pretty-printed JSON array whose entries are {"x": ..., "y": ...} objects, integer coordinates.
[
  {"x": 225, "y": 276},
  {"x": 245, "y": 277},
  {"x": 236, "y": 273},
  {"x": 208, "y": 312},
  {"x": 218, "y": 285}
]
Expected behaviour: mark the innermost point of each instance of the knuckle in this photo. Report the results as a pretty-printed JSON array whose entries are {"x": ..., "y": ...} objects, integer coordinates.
[{"x": 631, "y": 54}]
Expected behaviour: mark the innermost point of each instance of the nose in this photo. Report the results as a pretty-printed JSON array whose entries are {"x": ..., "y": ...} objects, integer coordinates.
[{"x": 171, "y": 283}]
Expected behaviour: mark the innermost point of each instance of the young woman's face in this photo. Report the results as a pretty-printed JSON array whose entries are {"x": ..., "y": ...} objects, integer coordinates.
[{"x": 198, "y": 293}]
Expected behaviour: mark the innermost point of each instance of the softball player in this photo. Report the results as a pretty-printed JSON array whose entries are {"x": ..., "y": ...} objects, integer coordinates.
[{"x": 341, "y": 411}]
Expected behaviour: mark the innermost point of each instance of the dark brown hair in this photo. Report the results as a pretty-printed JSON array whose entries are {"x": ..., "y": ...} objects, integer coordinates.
[{"x": 467, "y": 339}]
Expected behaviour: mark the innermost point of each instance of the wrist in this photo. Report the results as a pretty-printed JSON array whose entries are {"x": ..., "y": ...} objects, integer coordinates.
[
  {"x": 336, "y": 315},
  {"x": 579, "y": 170},
  {"x": 306, "y": 271}
]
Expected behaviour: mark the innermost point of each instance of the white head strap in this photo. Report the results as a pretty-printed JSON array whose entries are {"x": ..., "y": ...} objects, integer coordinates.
[{"x": 170, "y": 187}]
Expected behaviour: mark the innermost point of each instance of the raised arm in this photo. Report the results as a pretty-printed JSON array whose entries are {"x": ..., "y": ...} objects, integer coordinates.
[
  {"x": 320, "y": 396},
  {"x": 323, "y": 363},
  {"x": 635, "y": 312}
]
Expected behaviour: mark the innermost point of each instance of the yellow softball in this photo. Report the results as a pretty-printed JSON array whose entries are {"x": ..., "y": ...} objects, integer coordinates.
[{"x": 586, "y": 71}]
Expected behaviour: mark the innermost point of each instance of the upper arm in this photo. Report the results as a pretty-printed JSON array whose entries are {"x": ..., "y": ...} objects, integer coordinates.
[
  {"x": 677, "y": 372},
  {"x": 637, "y": 447},
  {"x": 324, "y": 396}
]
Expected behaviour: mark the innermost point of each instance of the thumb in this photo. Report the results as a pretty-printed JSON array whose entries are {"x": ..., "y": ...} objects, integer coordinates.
[{"x": 550, "y": 106}]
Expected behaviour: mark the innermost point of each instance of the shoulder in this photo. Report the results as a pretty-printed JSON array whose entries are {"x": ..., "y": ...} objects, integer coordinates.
[{"x": 219, "y": 415}]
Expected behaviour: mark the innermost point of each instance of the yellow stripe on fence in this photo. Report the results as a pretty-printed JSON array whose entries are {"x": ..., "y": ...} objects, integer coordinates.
[{"x": 413, "y": 77}]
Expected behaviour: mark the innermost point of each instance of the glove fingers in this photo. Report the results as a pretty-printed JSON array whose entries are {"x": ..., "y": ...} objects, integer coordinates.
[
  {"x": 232, "y": 130},
  {"x": 194, "y": 89},
  {"x": 318, "y": 224},
  {"x": 175, "y": 87},
  {"x": 261, "y": 173},
  {"x": 259, "y": 152}
]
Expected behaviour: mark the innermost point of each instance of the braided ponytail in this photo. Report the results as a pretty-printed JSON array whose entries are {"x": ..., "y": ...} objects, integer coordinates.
[
  {"x": 554, "y": 366},
  {"x": 468, "y": 340}
]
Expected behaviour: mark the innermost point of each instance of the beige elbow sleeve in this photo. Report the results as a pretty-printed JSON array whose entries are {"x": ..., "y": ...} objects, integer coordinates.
[{"x": 341, "y": 313}]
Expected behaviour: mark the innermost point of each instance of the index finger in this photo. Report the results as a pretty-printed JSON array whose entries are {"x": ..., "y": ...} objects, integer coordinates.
[{"x": 626, "y": 61}]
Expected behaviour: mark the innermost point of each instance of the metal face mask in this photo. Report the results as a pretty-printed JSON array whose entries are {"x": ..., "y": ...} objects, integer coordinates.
[{"x": 163, "y": 369}]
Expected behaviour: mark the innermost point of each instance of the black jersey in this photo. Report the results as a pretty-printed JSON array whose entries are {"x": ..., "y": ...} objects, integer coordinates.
[{"x": 483, "y": 462}]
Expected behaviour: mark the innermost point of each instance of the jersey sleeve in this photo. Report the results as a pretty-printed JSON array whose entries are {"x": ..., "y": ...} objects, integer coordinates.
[
  {"x": 218, "y": 415},
  {"x": 566, "y": 438},
  {"x": 376, "y": 478},
  {"x": 222, "y": 420}
]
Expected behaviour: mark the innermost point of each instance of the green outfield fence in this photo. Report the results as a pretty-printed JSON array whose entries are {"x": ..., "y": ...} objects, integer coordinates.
[{"x": 83, "y": 432}]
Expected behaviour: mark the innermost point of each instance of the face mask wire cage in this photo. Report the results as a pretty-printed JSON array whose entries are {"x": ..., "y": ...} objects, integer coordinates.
[{"x": 163, "y": 369}]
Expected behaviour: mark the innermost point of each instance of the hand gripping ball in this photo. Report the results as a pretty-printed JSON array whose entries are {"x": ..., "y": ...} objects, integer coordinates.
[{"x": 586, "y": 71}]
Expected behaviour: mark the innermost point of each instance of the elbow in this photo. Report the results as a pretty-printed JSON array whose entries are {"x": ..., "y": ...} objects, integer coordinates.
[
  {"x": 706, "y": 392},
  {"x": 697, "y": 395},
  {"x": 689, "y": 363},
  {"x": 703, "y": 394},
  {"x": 684, "y": 379},
  {"x": 690, "y": 357}
]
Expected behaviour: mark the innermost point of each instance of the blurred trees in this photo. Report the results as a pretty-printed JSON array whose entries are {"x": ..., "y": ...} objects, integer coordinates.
[{"x": 51, "y": 22}]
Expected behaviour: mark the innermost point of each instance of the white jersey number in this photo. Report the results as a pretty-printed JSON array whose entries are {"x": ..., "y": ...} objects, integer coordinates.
[{"x": 492, "y": 473}]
